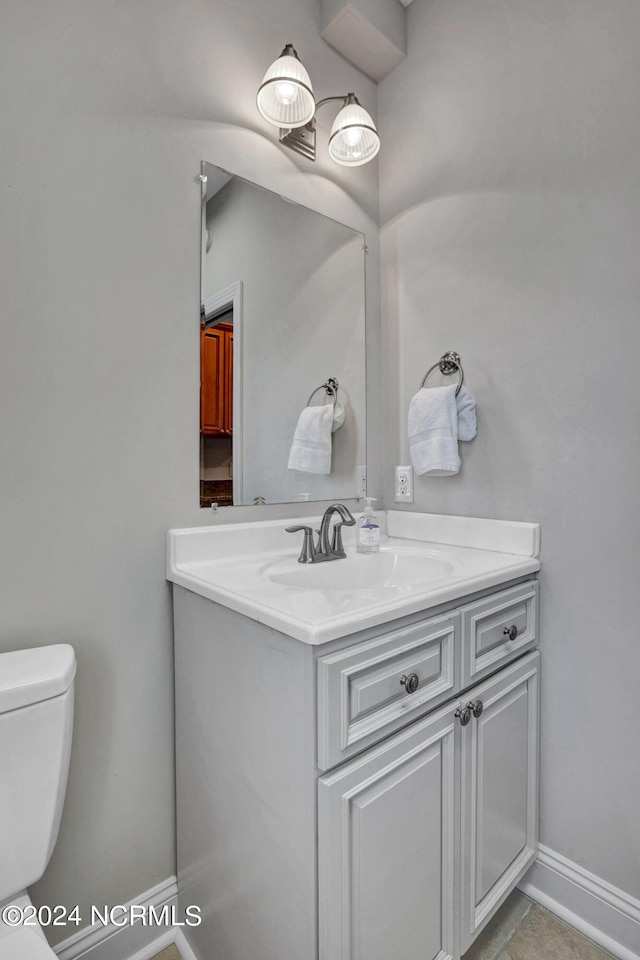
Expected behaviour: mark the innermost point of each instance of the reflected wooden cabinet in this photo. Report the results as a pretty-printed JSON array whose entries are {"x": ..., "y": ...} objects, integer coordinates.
[{"x": 216, "y": 380}]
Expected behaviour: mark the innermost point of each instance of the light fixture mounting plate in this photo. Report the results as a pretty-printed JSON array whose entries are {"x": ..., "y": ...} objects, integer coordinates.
[{"x": 301, "y": 139}]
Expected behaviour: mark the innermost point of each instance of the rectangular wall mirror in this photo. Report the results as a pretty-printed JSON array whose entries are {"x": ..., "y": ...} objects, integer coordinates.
[{"x": 282, "y": 313}]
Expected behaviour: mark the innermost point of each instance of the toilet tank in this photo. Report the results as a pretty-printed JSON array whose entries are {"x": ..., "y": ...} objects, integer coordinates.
[{"x": 36, "y": 719}]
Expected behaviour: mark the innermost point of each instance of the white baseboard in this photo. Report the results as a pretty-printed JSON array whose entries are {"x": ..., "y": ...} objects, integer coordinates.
[
  {"x": 135, "y": 941},
  {"x": 608, "y": 916}
]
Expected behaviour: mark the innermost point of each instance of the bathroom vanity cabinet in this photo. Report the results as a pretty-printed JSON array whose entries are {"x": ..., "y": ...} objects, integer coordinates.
[{"x": 368, "y": 798}]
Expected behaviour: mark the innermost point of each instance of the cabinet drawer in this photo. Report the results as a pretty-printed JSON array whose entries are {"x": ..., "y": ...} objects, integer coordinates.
[
  {"x": 364, "y": 692},
  {"x": 487, "y": 643}
]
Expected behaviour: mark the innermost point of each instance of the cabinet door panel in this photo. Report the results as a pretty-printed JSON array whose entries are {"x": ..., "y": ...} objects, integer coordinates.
[
  {"x": 499, "y": 792},
  {"x": 386, "y": 849},
  {"x": 211, "y": 381},
  {"x": 502, "y": 787},
  {"x": 228, "y": 382}
]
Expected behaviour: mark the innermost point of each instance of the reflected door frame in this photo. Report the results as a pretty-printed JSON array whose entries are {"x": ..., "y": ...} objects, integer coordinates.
[{"x": 231, "y": 299}]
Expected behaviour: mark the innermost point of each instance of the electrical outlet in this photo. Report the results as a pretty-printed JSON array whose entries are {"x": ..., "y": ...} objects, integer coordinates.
[
  {"x": 361, "y": 490},
  {"x": 403, "y": 489}
]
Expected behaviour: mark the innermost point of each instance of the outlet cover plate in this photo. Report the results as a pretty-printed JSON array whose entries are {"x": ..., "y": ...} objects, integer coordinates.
[{"x": 403, "y": 486}]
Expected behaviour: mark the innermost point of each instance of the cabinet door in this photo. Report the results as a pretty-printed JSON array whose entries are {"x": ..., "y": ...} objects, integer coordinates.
[
  {"x": 212, "y": 381},
  {"x": 499, "y": 791},
  {"x": 387, "y": 827},
  {"x": 228, "y": 382}
]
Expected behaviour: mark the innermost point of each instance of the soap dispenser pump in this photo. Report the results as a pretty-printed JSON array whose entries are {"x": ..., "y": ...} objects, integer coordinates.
[{"x": 368, "y": 538}]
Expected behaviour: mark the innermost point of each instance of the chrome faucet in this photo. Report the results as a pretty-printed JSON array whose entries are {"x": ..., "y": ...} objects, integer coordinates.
[
  {"x": 336, "y": 550},
  {"x": 315, "y": 553}
]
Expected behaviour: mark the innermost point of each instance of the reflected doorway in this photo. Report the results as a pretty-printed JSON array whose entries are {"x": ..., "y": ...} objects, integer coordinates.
[{"x": 216, "y": 409}]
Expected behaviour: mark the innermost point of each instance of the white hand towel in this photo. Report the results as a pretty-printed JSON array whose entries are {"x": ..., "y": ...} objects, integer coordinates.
[
  {"x": 437, "y": 420},
  {"x": 467, "y": 422},
  {"x": 433, "y": 431},
  {"x": 311, "y": 447}
]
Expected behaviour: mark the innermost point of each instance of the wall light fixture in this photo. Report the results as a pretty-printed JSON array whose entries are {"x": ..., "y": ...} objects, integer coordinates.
[{"x": 286, "y": 100}]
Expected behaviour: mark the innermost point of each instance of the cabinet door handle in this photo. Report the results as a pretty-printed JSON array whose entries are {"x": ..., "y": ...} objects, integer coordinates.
[
  {"x": 511, "y": 632},
  {"x": 476, "y": 707},
  {"x": 410, "y": 683},
  {"x": 463, "y": 714}
]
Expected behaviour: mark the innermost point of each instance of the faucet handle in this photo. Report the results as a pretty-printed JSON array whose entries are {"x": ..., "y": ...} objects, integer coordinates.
[
  {"x": 337, "y": 548},
  {"x": 308, "y": 552}
]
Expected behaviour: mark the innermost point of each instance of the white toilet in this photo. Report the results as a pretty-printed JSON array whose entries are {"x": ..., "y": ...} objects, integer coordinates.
[{"x": 36, "y": 718}]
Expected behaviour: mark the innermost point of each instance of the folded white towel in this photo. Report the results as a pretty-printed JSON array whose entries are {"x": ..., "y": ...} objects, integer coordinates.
[
  {"x": 311, "y": 447},
  {"x": 437, "y": 419},
  {"x": 467, "y": 422},
  {"x": 338, "y": 416}
]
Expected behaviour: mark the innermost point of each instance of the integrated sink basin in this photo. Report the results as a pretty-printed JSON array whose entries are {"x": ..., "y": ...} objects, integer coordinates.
[
  {"x": 394, "y": 568},
  {"x": 425, "y": 560}
]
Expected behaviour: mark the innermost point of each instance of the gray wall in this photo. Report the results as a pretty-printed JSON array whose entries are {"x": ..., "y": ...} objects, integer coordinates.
[
  {"x": 108, "y": 109},
  {"x": 511, "y": 234},
  {"x": 511, "y": 230}
]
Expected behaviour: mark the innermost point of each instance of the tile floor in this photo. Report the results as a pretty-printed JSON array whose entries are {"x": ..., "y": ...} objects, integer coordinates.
[
  {"x": 520, "y": 930},
  {"x": 169, "y": 953},
  {"x": 523, "y": 930}
]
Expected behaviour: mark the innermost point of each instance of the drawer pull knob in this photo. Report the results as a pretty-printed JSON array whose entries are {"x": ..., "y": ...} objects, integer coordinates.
[
  {"x": 511, "y": 632},
  {"x": 463, "y": 714},
  {"x": 410, "y": 683},
  {"x": 476, "y": 707}
]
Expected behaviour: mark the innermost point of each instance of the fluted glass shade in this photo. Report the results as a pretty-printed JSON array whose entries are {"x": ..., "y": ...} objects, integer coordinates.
[
  {"x": 354, "y": 139},
  {"x": 285, "y": 97}
]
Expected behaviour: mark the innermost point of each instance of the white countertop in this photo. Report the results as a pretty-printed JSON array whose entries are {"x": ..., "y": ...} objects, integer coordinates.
[{"x": 241, "y": 566}]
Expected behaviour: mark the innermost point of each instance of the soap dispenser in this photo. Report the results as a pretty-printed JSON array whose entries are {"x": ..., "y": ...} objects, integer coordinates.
[{"x": 368, "y": 537}]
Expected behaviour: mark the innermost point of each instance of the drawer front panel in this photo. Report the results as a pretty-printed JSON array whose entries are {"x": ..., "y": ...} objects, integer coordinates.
[
  {"x": 489, "y": 639},
  {"x": 373, "y": 689},
  {"x": 367, "y": 691}
]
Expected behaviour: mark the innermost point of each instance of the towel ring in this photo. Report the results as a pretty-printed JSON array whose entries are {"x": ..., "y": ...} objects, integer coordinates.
[
  {"x": 448, "y": 363},
  {"x": 331, "y": 386}
]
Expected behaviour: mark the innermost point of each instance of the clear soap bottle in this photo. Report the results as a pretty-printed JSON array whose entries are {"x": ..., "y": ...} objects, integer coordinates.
[{"x": 368, "y": 536}]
